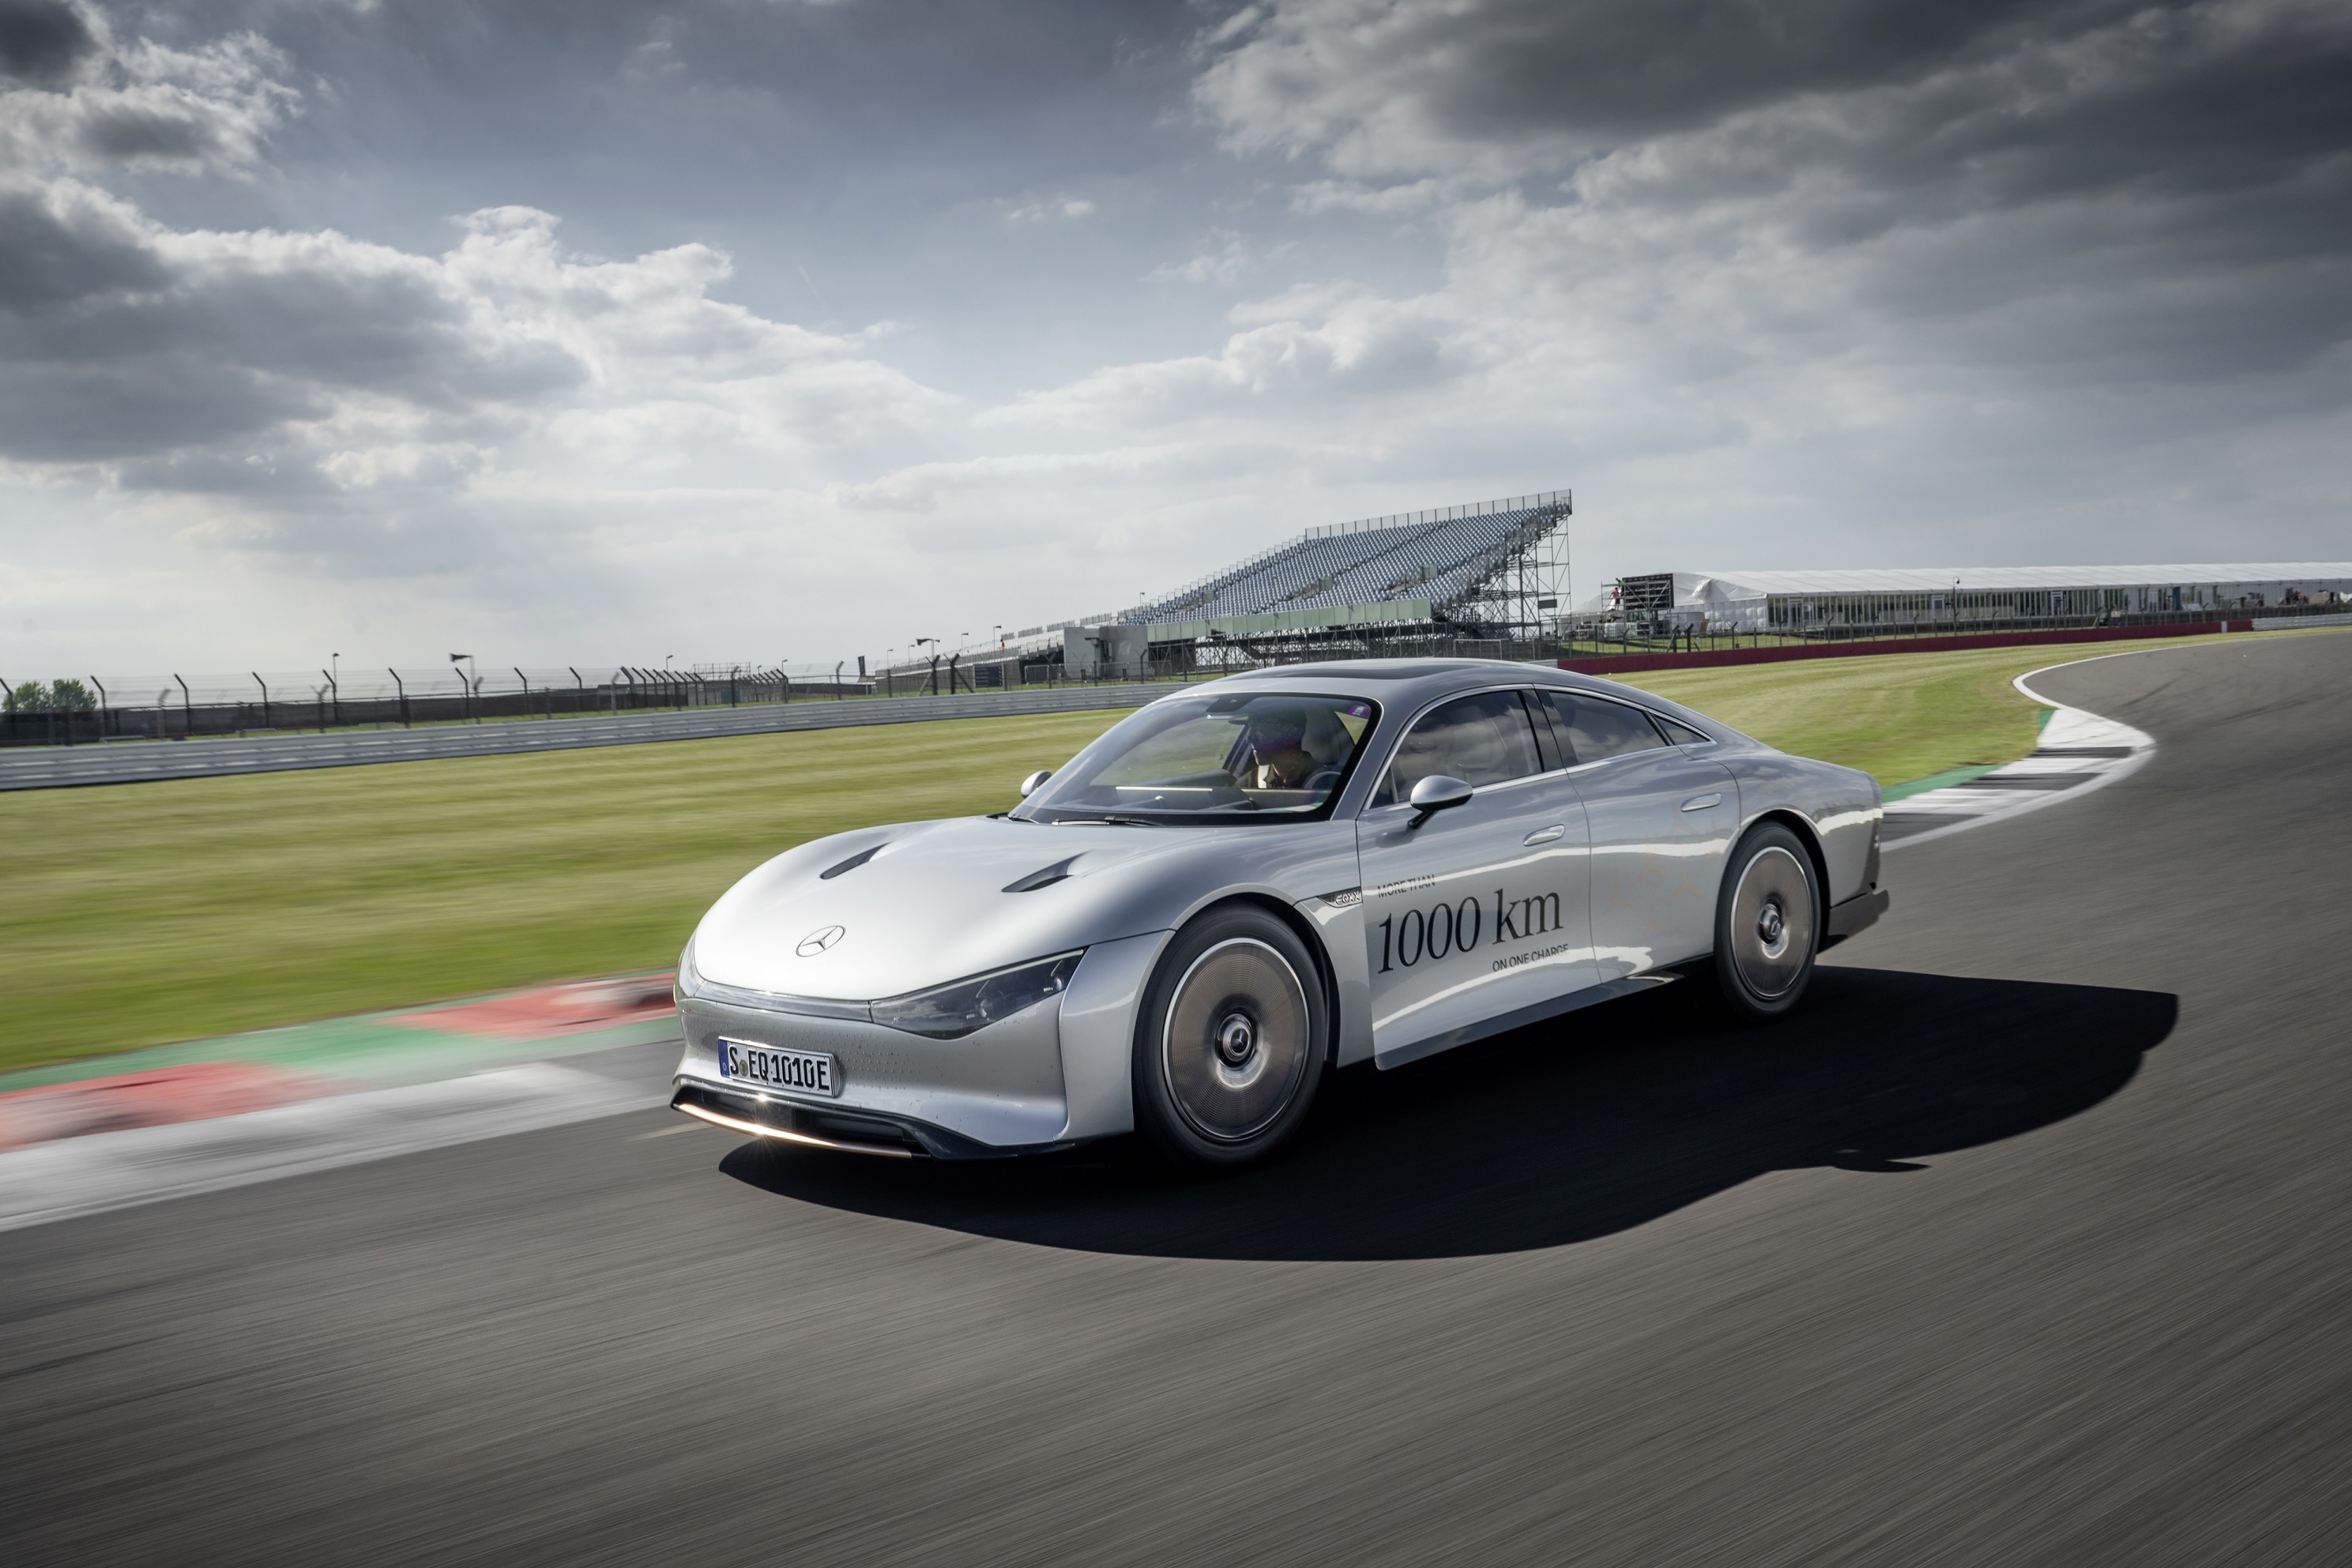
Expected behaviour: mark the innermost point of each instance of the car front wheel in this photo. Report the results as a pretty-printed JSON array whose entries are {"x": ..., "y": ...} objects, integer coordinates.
[
  {"x": 1231, "y": 1043},
  {"x": 1767, "y": 926}
]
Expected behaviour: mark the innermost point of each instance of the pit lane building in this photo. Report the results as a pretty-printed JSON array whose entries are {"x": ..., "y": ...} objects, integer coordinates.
[{"x": 1887, "y": 599}]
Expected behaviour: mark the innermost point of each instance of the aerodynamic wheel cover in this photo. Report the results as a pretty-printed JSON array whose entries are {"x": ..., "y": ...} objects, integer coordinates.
[
  {"x": 1237, "y": 1040},
  {"x": 1772, "y": 922}
]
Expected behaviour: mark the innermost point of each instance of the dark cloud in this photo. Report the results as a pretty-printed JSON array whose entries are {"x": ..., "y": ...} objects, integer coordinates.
[
  {"x": 47, "y": 263},
  {"x": 42, "y": 41},
  {"x": 2089, "y": 194},
  {"x": 1618, "y": 70},
  {"x": 53, "y": 413},
  {"x": 115, "y": 341},
  {"x": 125, "y": 134},
  {"x": 2076, "y": 93}
]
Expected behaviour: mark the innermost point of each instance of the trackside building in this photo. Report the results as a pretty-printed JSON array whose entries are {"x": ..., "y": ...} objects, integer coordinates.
[{"x": 1856, "y": 603}]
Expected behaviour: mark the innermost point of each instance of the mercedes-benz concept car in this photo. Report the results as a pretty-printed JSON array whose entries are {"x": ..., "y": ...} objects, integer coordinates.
[{"x": 1254, "y": 880}]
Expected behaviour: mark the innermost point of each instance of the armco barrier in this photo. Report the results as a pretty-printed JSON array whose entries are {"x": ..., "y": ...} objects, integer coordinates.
[
  {"x": 132, "y": 762},
  {"x": 2299, "y": 623},
  {"x": 1623, "y": 664}
]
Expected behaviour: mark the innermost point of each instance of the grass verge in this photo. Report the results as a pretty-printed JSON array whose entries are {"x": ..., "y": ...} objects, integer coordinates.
[
  {"x": 1896, "y": 717},
  {"x": 140, "y": 914}
]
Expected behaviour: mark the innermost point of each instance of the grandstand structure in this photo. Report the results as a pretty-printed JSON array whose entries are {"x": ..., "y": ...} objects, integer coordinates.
[{"x": 1489, "y": 570}]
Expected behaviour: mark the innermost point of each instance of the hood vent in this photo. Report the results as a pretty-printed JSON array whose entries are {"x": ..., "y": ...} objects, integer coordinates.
[
  {"x": 1044, "y": 876},
  {"x": 852, "y": 863}
]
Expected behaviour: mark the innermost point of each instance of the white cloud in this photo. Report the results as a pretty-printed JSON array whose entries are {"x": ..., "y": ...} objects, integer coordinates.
[
  {"x": 1223, "y": 259},
  {"x": 1402, "y": 200},
  {"x": 1065, "y": 208}
]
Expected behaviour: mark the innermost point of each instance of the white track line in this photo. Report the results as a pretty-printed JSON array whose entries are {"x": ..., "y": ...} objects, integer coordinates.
[
  {"x": 2070, "y": 732},
  {"x": 76, "y": 1176}
]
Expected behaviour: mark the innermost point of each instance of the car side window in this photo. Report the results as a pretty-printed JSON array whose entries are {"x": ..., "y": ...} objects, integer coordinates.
[
  {"x": 1682, "y": 734},
  {"x": 1480, "y": 739},
  {"x": 1592, "y": 728}
]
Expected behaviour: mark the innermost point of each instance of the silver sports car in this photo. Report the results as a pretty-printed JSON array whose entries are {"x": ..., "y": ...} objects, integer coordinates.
[{"x": 1254, "y": 880}]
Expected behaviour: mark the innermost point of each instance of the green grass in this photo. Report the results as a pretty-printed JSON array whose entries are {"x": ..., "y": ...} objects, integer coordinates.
[
  {"x": 1896, "y": 717},
  {"x": 140, "y": 914},
  {"x": 137, "y": 914}
]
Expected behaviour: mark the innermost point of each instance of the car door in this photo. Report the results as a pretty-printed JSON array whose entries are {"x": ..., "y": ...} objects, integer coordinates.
[
  {"x": 1480, "y": 909},
  {"x": 1661, "y": 820}
]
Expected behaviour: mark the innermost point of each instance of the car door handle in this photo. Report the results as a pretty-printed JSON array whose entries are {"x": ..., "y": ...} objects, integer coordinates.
[
  {"x": 1545, "y": 835},
  {"x": 1701, "y": 802}
]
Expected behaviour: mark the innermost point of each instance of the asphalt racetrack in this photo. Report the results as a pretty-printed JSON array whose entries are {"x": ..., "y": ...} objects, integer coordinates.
[{"x": 2026, "y": 1243}]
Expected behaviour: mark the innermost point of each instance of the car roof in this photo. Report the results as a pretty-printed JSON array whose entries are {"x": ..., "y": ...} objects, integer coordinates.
[{"x": 1410, "y": 684}]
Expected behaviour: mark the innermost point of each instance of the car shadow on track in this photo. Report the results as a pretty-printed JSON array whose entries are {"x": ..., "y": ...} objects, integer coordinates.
[{"x": 1561, "y": 1133}]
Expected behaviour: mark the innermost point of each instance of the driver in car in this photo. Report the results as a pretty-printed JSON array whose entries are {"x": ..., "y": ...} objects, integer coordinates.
[{"x": 1287, "y": 748}]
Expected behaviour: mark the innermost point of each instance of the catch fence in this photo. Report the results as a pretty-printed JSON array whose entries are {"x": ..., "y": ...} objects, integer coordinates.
[
  {"x": 70, "y": 710},
  {"x": 87, "y": 710}
]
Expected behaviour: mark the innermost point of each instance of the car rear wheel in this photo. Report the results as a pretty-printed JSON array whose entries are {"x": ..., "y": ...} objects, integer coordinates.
[
  {"x": 1230, "y": 1043},
  {"x": 1767, "y": 923}
]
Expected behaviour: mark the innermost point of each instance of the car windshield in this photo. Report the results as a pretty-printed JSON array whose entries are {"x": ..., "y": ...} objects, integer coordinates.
[{"x": 1212, "y": 758}]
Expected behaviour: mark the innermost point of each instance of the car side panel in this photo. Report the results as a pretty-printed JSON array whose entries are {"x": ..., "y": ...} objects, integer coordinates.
[
  {"x": 1840, "y": 803},
  {"x": 1341, "y": 929},
  {"x": 1160, "y": 892},
  {"x": 1662, "y": 822},
  {"x": 1097, "y": 1028}
]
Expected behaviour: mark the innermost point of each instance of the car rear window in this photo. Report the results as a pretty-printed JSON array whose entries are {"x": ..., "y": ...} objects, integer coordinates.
[{"x": 1593, "y": 728}]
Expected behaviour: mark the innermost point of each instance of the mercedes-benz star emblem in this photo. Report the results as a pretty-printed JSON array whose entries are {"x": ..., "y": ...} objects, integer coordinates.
[{"x": 816, "y": 942}]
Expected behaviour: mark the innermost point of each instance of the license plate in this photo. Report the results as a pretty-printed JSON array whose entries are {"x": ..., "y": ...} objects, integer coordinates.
[{"x": 803, "y": 1071}]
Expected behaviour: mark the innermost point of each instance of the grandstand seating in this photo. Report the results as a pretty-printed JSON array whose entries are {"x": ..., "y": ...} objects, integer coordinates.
[{"x": 1439, "y": 560}]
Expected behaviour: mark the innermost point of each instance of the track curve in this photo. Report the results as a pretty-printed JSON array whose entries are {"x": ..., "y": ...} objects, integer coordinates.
[{"x": 2027, "y": 1245}]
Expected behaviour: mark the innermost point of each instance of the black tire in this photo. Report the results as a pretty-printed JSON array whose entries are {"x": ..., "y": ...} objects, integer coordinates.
[
  {"x": 1230, "y": 1043},
  {"x": 1768, "y": 926}
]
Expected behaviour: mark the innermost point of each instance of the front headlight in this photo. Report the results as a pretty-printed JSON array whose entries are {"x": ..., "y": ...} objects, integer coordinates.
[
  {"x": 953, "y": 1010},
  {"x": 689, "y": 979}
]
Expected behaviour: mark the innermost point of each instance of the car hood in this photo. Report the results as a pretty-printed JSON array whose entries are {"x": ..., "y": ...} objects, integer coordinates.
[{"x": 931, "y": 904}]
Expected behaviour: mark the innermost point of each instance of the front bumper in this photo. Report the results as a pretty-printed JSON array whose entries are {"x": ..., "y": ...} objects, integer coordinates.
[
  {"x": 821, "y": 1125},
  {"x": 999, "y": 1088}
]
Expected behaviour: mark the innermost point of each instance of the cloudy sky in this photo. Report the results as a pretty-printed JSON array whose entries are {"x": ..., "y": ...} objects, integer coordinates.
[{"x": 573, "y": 331}]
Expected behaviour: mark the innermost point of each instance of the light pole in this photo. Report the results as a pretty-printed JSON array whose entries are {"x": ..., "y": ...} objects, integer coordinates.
[{"x": 931, "y": 641}]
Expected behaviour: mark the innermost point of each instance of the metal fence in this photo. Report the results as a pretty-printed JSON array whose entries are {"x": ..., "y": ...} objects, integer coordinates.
[
  {"x": 174, "y": 707},
  {"x": 70, "y": 710}
]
